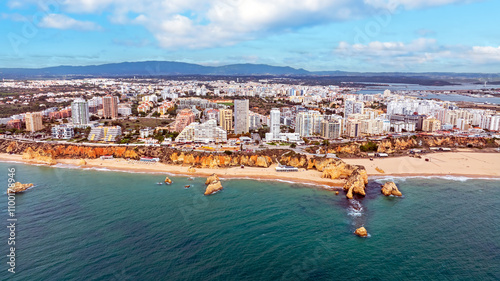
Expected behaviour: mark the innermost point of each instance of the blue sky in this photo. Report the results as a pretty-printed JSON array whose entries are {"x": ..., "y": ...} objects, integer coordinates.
[{"x": 350, "y": 35}]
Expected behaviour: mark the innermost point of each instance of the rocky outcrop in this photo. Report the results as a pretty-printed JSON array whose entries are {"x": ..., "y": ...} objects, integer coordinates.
[
  {"x": 19, "y": 187},
  {"x": 361, "y": 232},
  {"x": 191, "y": 170},
  {"x": 390, "y": 188},
  {"x": 168, "y": 181},
  {"x": 38, "y": 156},
  {"x": 213, "y": 184},
  {"x": 355, "y": 183},
  {"x": 82, "y": 162}
]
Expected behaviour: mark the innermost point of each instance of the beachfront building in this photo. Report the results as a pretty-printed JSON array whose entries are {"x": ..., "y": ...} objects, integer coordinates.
[
  {"x": 308, "y": 123},
  {"x": 331, "y": 129},
  {"x": 241, "y": 116},
  {"x": 226, "y": 119},
  {"x": 205, "y": 132},
  {"x": 80, "y": 112},
  {"x": 33, "y": 121},
  {"x": 183, "y": 119},
  {"x": 274, "y": 134},
  {"x": 63, "y": 131},
  {"x": 105, "y": 133},
  {"x": 431, "y": 125},
  {"x": 110, "y": 107}
]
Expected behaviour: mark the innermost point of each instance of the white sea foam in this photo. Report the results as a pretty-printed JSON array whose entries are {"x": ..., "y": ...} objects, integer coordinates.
[{"x": 355, "y": 209}]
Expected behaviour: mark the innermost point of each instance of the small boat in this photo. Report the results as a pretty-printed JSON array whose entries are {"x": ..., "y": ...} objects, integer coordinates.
[
  {"x": 187, "y": 186},
  {"x": 159, "y": 183}
]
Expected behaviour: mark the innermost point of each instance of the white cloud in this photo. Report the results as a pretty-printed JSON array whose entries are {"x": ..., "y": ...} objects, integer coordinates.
[
  {"x": 388, "y": 49},
  {"x": 59, "y": 21},
  {"x": 485, "y": 54},
  {"x": 208, "y": 23}
]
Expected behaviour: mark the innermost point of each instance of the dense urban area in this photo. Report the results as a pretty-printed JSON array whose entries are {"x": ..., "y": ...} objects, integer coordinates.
[{"x": 228, "y": 115}]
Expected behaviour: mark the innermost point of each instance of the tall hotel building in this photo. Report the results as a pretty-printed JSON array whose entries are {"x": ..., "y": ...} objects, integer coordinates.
[
  {"x": 33, "y": 121},
  {"x": 241, "y": 116},
  {"x": 110, "y": 107},
  {"x": 226, "y": 119},
  {"x": 80, "y": 112}
]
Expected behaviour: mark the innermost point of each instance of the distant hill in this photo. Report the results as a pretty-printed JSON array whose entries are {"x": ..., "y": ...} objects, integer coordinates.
[
  {"x": 149, "y": 68},
  {"x": 170, "y": 68}
]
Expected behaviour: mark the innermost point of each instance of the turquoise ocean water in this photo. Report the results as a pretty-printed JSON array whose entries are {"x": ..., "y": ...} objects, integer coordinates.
[{"x": 103, "y": 225}]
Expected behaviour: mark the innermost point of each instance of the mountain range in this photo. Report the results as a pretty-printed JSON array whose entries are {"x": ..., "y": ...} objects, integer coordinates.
[{"x": 171, "y": 68}]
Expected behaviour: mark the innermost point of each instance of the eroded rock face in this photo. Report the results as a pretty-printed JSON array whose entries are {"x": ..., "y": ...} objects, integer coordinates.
[
  {"x": 213, "y": 184},
  {"x": 355, "y": 183},
  {"x": 38, "y": 156},
  {"x": 390, "y": 188},
  {"x": 361, "y": 232},
  {"x": 19, "y": 187},
  {"x": 167, "y": 180}
]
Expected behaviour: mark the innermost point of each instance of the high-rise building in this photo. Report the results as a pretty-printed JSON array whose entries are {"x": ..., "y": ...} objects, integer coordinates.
[
  {"x": 226, "y": 119},
  {"x": 33, "y": 121},
  {"x": 275, "y": 123},
  {"x": 241, "y": 116},
  {"x": 330, "y": 129},
  {"x": 110, "y": 107},
  {"x": 308, "y": 123},
  {"x": 80, "y": 112},
  {"x": 349, "y": 107}
]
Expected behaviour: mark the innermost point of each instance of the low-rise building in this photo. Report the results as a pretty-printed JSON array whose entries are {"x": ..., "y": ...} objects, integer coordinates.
[
  {"x": 105, "y": 133},
  {"x": 63, "y": 132}
]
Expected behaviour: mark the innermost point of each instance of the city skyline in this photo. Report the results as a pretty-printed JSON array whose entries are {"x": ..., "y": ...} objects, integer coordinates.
[{"x": 364, "y": 36}]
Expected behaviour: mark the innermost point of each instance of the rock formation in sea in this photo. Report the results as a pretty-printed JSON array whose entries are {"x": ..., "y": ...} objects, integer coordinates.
[
  {"x": 356, "y": 182},
  {"x": 213, "y": 184},
  {"x": 361, "y": 232},
  {"x": 390, "y": 188},
  {"x": 168, "y": 181},
  {"x": 19, "y": 187}
]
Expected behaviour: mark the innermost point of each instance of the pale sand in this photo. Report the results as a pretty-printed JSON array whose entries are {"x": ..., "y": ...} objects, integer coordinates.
[
  {"x": 443, "y": 163},
  {"x": 447, "y": 163},
  {"x": 309, "y": 177}
]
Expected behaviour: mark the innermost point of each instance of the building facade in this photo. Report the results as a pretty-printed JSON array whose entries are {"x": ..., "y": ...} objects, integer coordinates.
[{"x": 241, "y": 116}]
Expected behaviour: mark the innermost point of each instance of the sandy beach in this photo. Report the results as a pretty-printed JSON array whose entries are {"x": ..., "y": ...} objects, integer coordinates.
[
  {"x": 446, "y": 163},
  {"x": 303, "y": 176},
  {"x": 441, "y": 164}
]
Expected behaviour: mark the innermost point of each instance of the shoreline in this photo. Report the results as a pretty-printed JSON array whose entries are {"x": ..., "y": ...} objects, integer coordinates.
[{"x": 397, "y": 167}]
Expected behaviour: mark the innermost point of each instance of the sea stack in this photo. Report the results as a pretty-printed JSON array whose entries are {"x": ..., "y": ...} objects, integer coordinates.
[
  {"x": 390, "y": 188},
  {"x": 19, "y": 187},
  {"x": 213, "y": 184},
  {"x": 361, "y": 232},
  {"x": 355, "y": 183},
  {"x": 168, "y": 181}
]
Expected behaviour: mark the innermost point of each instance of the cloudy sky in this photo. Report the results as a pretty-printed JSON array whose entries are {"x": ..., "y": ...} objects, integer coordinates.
[{"x": 350, "y": 35}]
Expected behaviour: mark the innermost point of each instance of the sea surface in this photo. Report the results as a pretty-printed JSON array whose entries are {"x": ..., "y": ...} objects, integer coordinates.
[
  {"x": 411, "y": 88},
  {"x": 104, "y": 225}
]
